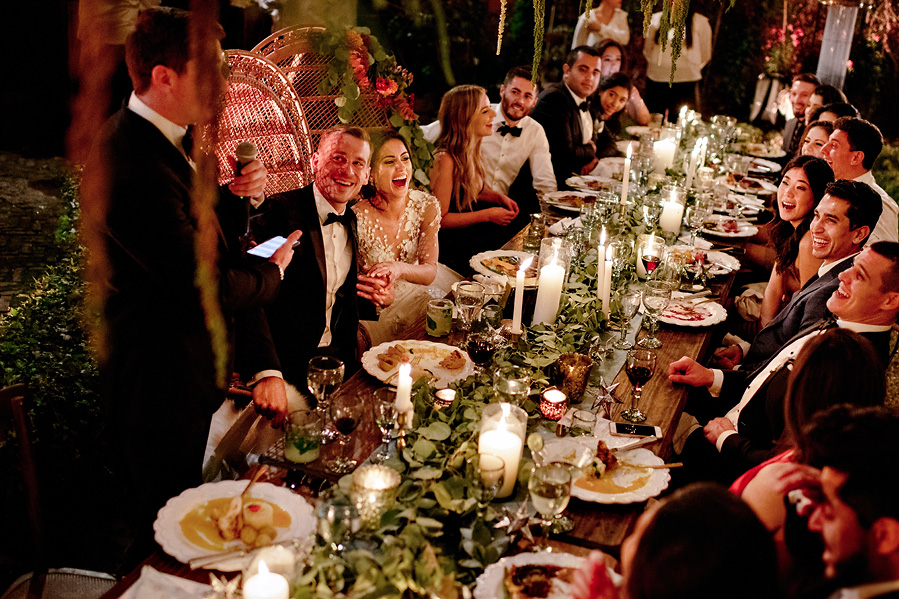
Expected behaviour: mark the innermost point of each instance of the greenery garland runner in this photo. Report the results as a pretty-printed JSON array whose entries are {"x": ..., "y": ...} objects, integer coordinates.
[
  {"x": 437, "y": 536},
  {"x": 361, "y": 65},
  {"x": 502, "y": 26},
  {"x": 539, "y": 30}
]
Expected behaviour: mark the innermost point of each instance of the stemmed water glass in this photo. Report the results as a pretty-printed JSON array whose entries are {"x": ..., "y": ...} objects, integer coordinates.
[
  {"x": 618, "y": 251},
  {"x": 550, "y": 490},
  {"x": 346, "y": 412},
  {"x": 628, "y": 302},
  {"x": 487, "y": 473},
  {"x": 640, "y": 365},
  {"x": 656, "y": 296},
  {"x": 385, "y": 418},
  {"x": 699, "y": 213},
  {"x": 469, "y": 299},
  {"x": 652, "y": 212},
  {"x": 324, "y": 375},
  {"x": 337, "y": 517}
]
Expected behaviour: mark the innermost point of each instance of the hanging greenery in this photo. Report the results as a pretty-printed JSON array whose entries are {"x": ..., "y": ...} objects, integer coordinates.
[
  {"x": 539, "y": 30},
  {"x": 502, "y": 25}
]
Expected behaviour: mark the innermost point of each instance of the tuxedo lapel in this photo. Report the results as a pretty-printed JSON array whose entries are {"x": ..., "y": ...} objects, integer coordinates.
[{"x": 310, "y": 212}]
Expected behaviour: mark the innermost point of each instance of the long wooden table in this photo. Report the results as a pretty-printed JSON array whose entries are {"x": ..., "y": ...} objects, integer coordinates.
[{"x": 596, "y": 525}]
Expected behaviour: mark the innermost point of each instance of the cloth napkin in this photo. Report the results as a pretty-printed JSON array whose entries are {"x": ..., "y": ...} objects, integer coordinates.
[
  {"x": 153, "y": 584},
  {"x": 559, "y": 227},
  {"x": 700, "y": 242}
]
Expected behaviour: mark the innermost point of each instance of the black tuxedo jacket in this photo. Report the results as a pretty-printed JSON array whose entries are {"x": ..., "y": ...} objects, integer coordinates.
[
  {"x": 296, "y": 320},
  {"x": 557, "y": 111},
  {"x": 159, "y": 374},
  {"x": 761, "y": 421},
  {"x": 806, "y": 307}
]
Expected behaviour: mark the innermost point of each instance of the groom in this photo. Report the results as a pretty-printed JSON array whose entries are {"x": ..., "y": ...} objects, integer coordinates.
[{"x": 318, "y": 310}]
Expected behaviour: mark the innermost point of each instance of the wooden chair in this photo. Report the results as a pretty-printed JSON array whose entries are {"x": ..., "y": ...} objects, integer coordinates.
[
  {"x": 292, "y": 51},
  {"x": 261, "y": 107},
  {"x": 42, "y": 582}
]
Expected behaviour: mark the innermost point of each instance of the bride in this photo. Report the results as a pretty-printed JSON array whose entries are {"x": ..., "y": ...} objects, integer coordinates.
[{"x": 397, "y": 230}]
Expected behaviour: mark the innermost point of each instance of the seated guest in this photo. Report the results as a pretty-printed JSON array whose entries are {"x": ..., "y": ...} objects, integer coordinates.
[
  {"x": 565, "y": 113},
  {"x": 317, "y": 311},
  {"x": 801, "y": 89},
  {"x": 397, "y": 231},
  {"x": 841, "y": 225},
  {"x": 606, "y": 20},
  {"x": 611, "y": 97},
  {"x": 851, "y": 151},
  {"x": 831, "y": 112},
  {"x": 474, "y": 215},
  {"x": 867, "y": 302},
  {"x": 684, "y": 546},
  {"x": 612, "y": 54},
  {"x": 816, "y": 135},
  {"x": 824, "y": 94}
]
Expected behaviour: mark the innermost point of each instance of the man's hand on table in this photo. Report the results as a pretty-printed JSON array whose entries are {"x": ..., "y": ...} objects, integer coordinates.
[
  {"x": 270, "y": 399},
  {"x": 689, "y": 372}
]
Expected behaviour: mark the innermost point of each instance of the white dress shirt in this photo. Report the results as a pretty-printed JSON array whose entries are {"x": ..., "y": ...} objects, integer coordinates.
[
  {"x": 338, "y": 258},
  {"x": 502, "y": 156},
  {"x": 691, "y": 60},
  {"x": 866, "y": 591},
  {"x": 586, "y": 117},
  {"x": 887, "y": 228},
  {"x": 786, "y": 353},
  {"x": 617, "y": 29}
]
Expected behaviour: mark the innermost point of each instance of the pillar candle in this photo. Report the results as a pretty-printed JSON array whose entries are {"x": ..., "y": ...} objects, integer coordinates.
[
  {"x": 664, "y": 151},
  {"x": 694, "y": 158},
  {"x": 607, "y": 288},
  {"x": 549, "y": 293},
  {"x": 625, "y": 180},
  {"x": 404, "y": 389},
  {"x": 266, "y": 585},
  {"x": 507, "y": 446},
  {"x": 519, "y": 297},
  {"x": 672, "y": 215}
]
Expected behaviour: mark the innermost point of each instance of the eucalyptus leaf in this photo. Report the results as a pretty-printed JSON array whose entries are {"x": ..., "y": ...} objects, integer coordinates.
[
  {"x": 424, "y": 449},
  {"x": 436, "y": 431},
  {"x": 427, "y": 473}
]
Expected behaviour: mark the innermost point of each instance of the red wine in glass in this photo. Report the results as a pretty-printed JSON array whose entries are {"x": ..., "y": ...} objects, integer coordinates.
[
  {"x": 649, "y": 263},
  {"x": 480, "y": 348},
  {"x": 639, "y": 375},
  {"x": 346, "y": 425}
]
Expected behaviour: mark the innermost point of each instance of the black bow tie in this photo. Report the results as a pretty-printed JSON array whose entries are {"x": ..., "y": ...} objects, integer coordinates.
[
  {"x": 513, "y": 131},
  {"x": 345, "y": 219},
  {"x": 583, "y": 106},
  {"x": 187, "y": 142}
]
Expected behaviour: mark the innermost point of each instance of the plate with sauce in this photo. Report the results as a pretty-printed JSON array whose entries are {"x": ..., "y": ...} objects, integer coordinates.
[
  {"x": 628, "y": 482},
  {"x": 185, "y": 530}
]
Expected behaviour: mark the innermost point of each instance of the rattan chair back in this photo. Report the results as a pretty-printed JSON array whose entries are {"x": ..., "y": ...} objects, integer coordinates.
[
  {"x": 291, "y": 49},
  {"x": 261, "y": 107}
]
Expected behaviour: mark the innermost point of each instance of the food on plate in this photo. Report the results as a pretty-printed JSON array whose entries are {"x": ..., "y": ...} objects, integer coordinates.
[
  {"x": 725, "y": 225},
  {"x": 688, "y": 255},
  {"x": 686, "y": 312},
  {"x": 744, "y": 183},
  {"x": 454, "y": 361},
  {"x": 571, "y": 200},
  {"x": 392, "y": 357},
  {"x": 214, "y": 525},
  {"x": 504, "y": 265},
  {"x": 605, "y": 456},
  {"x": 537, "y": 581}
]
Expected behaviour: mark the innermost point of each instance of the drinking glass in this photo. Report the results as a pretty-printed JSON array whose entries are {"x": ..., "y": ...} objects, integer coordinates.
[
  {"x": 480, "y": 346},
  {"x": 346, "y": 412},
  {"x": 650, "y": 249},
  {"x": 652, "y": 211},
  {"x": 303, "y": 436},
  {"x": 640, "y": 365},
  {"x": 550, "y": 490},
  {"x": 324, "y": 375},
  {"x": 469, "y": 299},
  {"x": 491, "y": 318},
  {"x": 487, "y": 472},
  {"x": 700, "y": 212},
  {"x": 606, "y": 203},
  {"x": 618, "y": 251},
  {"x": 583, "y": 423},
  {"x": 628, "y": 302},
  {"x": 385, "y": 418},
  {"x": 656, "y": 296},
  {"x": 337, "y": 518},
  {"x": 512, "y": 384}
]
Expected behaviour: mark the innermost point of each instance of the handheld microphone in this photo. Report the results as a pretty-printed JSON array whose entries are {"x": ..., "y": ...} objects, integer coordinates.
[{"x": 245, "y": 154}]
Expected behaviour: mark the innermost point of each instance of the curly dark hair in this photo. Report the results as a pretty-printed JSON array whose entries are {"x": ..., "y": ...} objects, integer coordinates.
[{"x": 784, "y": 237}]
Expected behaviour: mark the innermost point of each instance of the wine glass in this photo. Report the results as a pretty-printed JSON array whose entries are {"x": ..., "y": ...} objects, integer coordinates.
[
  {"x": 640, "y": 365},
  {"x": 550, "y": 490},
  {"x": 488, "y": 473},
  {"x": 346, "y": 412},
  {"x": 628, "y": 302},
  {"x": 324, "y": 375},
  {"x": 480, "y": 346},
  {"x": 385, "y": 418},
  {"x": 700, "y": 212},
  {"x": 656, "y": 296},
  {"x": 337, "y": 517},
  {"x": 469, "y": 299},
  {"x": 512, "y": 384},
  {"x": 652, "y": 212}
]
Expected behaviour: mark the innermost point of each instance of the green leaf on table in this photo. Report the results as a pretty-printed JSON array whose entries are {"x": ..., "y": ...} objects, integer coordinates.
[
  {"x": 423, "y": 449},
  {"x": 427, "y": 473},
  {"x": 435, "y": 431}
]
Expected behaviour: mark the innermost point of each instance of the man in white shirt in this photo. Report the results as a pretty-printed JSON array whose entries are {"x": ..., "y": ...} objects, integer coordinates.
[
  {"x": 866, "y": 302},
  {"x": 851, "y": 151},
  {"x": 801, "y": 90},
  {"x": 850, "y": 467},
  {"x": 317, "y": 311}
]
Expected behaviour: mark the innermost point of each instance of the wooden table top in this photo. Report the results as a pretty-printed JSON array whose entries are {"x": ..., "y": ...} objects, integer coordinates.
[{"x": 596, "y": 525}]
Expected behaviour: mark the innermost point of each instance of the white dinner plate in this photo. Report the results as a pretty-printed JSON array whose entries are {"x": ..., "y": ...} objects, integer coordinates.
[
  {"x": 759, "y": 150},
  {"x": 629, "y": 483},
  {"x": 637, "y": 130},
  {"x": 763, "y": 186},
  {"x": 586, "y": 182},
  {"x": 690, "y": 313},
  {"x": 722, "y": 263},
  {"x": 489, "y": 585},
  {"x": 743, "y": 229},
  {"x": 481, "y": 263},
  {"x": 564, "y": 200},
  {"x": 170, "y": 536},
  {"x": 760, "y": 165},
  {"x": 425, "y": 359}
]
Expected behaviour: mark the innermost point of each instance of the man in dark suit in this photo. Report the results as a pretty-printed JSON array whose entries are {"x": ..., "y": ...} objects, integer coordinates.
[
  {"x": 801, "y": 90},
  {"x": 317, "y": 311},
  {"x": 844, "y": 218},
  {"x": 866, "y": 301},
  {"x": 163, "y": 369},
  {"x": 564, "y": 111}
]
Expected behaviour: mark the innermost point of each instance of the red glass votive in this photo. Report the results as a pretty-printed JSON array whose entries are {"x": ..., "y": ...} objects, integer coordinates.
[{"x": 553, "y": 404}]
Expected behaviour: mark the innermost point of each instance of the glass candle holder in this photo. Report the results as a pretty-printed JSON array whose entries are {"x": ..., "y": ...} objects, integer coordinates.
[
  {"x": 503, "y": 428},
  {"x": 444, "y": 398},
  {"x": 553, "y": 403},
  {"x": 555, "y": 259},
  {"x": 674, "y": 200},
  {"x": 374, "y": 492},
  {"x": 650, "y": 251},
  {"x": 573, "y": 371}
]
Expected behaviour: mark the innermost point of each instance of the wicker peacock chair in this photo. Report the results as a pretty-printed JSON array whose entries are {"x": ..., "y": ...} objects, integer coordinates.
[
  {"x": 291, "y": 50},
  {"x": 261, "y": 107}
]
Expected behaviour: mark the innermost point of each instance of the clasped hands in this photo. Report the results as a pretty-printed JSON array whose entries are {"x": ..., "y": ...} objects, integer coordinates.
[{"x": 690, "y": 372}]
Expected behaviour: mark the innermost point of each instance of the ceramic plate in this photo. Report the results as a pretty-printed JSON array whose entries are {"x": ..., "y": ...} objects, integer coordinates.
[
  {"x": 759, "y": 150},
  {"x": 502, "y": 265},
  {"x": 760, "y": 165},
  {"x": 570, "y": 201},
  {"x": 637, "y": 130},
  {"x": 425, "y": 359},
  {"x": 628, "y": 482},
  {"x": 722, "y": 263},
  {"x": 172, "y": 539},
  {"x": 489, "y": 585},
  {"x": 587, "y": 182},
  {"x": 716, "y": 226},
  {"x": 748, "y": 184},
  {"x": 690, "y": 313}
]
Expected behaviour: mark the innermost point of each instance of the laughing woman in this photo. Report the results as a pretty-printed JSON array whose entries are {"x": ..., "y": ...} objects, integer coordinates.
[{"x": 397, "y": 229}]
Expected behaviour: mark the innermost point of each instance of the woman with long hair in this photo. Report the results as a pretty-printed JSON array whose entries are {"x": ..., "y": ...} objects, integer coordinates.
[
  {"x": 609, "y": 102},
  {"x": 815, "y": 136},
  {"x": 612, "y": 55},
  {"x": 472, "y": 214},
  {"x": 606, "y": 20}
]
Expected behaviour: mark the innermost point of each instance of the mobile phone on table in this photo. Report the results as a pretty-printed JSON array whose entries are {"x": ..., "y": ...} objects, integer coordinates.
[
  {"x": 267, "y": 248},
  {"x": 626, "y": 429}
]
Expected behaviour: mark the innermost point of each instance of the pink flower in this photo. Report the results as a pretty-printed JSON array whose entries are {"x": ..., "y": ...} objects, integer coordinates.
[
  {"x": 386, "y": 87},
  {"x": 849, "y": 64}
]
